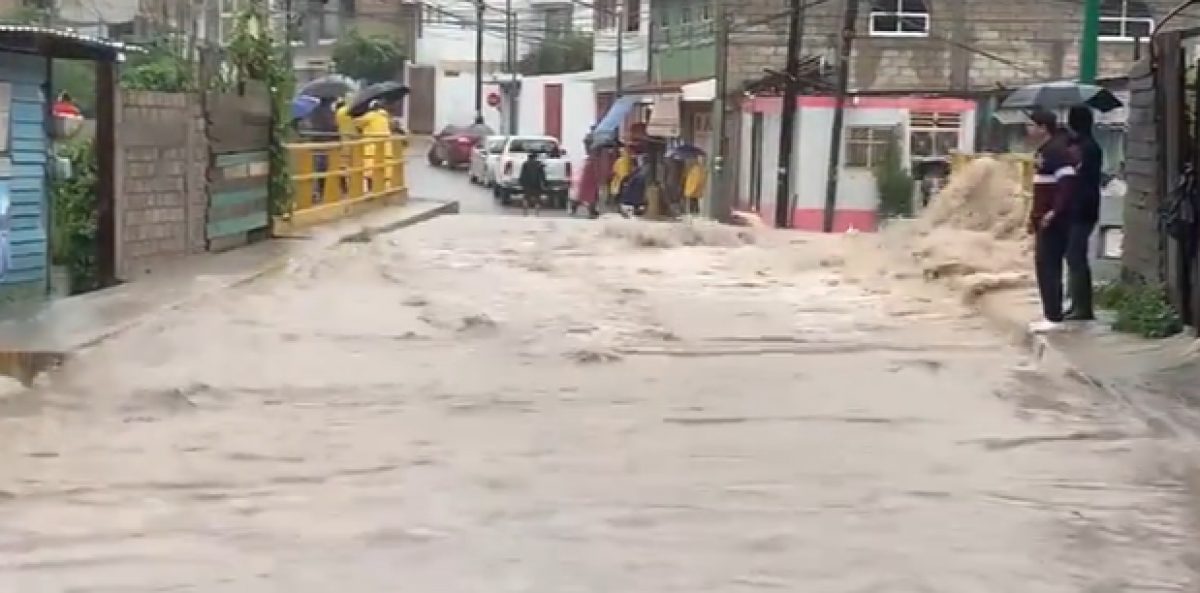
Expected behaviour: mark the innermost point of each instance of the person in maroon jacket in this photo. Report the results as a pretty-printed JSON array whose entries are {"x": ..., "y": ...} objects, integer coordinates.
[{"x": 1049, "y": 219}]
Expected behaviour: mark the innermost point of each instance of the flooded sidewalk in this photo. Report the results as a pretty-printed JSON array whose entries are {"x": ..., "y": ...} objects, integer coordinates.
[{"x": 504, "y": 405}]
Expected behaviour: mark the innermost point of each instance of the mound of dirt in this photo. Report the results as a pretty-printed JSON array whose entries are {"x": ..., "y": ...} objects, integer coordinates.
[{"x": 971, "y": 235}]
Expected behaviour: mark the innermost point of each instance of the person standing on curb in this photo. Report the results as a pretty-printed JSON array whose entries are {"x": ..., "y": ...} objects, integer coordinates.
[
  {"x": 1085, "y": 212},
  {"x": 1050, "y": 217}
]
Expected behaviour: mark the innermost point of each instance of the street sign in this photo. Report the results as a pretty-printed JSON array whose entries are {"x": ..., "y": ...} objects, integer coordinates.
[{"x": 493, "y": 100}]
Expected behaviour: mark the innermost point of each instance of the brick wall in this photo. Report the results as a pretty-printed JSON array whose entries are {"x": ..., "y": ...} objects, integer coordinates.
[
  {"x": 973, "y": 43},
  {"x": 162, "y": 157}
]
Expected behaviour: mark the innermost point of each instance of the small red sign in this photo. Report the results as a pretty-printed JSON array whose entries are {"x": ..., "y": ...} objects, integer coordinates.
[{"x": 493, "y": 100}]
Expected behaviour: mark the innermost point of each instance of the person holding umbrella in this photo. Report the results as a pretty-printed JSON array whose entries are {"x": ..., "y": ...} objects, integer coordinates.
[
  {"x": 1084, "y": 212},
  {"x": 368, "y": 107},
  {"x": 1050, "y": 215},
  {"x": 375, "y": 123}
]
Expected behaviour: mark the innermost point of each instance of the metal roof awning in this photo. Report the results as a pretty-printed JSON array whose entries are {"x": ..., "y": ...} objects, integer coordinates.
[
  {"x": 61, "y": 44},
  {"x": 606, "y": 129}
]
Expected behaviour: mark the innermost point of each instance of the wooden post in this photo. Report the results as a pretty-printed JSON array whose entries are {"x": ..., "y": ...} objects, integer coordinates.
[{"x": 106, "y": 169}]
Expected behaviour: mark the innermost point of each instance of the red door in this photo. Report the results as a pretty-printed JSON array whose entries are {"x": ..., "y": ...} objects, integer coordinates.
[{"x": 553, "y": 108}]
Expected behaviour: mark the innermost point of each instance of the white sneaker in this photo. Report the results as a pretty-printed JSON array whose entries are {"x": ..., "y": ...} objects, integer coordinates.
[{"x": 1044, "y": 326}]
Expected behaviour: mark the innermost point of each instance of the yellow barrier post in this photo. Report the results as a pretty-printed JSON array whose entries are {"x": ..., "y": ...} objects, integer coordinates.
[{"x": 302, "y": 177}]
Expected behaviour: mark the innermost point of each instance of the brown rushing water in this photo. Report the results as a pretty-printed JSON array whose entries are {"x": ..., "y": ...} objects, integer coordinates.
[{"x": 506, "y": 405}]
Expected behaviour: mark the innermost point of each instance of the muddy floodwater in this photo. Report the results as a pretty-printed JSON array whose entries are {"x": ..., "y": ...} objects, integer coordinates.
[{"x": 508, "y": 405}]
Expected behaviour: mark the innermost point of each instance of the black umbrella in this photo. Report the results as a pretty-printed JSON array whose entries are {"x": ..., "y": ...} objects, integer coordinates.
[
  {"x": 384, "y": 91},
  {"x": 1066, "y": 94},
  {"x": 333, "y": 86}
]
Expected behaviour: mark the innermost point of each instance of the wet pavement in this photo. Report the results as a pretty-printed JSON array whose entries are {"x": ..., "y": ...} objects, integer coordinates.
[{"x": 505, "y": 404}]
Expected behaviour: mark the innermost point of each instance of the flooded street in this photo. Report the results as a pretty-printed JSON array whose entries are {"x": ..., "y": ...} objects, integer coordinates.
[{"x": 486, "y": 404}]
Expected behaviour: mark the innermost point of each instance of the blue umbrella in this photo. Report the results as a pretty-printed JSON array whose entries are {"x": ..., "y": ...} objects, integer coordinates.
[{"x": 303, "y": 106}]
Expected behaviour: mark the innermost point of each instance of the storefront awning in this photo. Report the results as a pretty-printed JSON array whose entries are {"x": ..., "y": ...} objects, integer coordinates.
[
  {"x": 608, "y": 126},
  {"x": 703, "y": 91}
]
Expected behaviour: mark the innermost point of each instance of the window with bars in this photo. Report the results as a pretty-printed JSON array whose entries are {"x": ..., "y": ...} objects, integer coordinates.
[
  {"x": 633, "y": 15},
  {"x": 899, "y": 18},
  {"x": 558, "y": 21},
  {"x": 1125, "y": 20},
  {"x": 867, "y": 146},
  {"x": 604, "y": 15},
  {"x": 933, "y": 134}
]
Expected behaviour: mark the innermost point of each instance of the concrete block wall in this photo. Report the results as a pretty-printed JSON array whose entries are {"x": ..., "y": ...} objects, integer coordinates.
[
  {"x": 1142, "y": 257},
  {"x": 972, "y": 43},
  {"x": 162, "y": 156}
]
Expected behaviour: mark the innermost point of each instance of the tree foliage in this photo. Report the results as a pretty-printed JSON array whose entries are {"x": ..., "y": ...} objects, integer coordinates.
[
  {"x": 255, "y": 56},
  {"x": 163, "y": 67},
  {"x": 369, "y": 58},
  {"x": 569, "y": 53}
]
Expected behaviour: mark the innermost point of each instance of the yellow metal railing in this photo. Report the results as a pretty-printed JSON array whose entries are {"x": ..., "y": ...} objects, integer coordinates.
[{"x": 331, "y": 180}]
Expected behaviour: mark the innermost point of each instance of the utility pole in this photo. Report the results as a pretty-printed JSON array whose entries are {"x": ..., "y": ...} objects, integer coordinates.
[
  {"x": 719, "y": 203},
  {"x": 510, "y": 42},
  {"x": 842, "y": 63},
  {"x": 1089, "y": 43},
  {"x": 479, "y": 7},
  {"x": 787, "y": 118},
  {"x": 618, "y": 81}
]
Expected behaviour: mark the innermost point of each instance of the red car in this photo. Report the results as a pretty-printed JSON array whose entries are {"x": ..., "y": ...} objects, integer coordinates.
[{"x": 453, "y": 145}]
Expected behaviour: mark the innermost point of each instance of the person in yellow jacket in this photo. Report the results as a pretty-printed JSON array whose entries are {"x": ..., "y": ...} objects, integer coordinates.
[
  {"x": 375, "y": 123},
  {"x": 345, "y": 122},
  {"x": 695, "y": 176},
  {"x": 347, "y": 132},
  {"x": 621, "y": 170}
]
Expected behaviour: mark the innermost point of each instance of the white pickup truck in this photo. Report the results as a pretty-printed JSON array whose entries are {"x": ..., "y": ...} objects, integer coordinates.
[{"x": 515, "y": 153}]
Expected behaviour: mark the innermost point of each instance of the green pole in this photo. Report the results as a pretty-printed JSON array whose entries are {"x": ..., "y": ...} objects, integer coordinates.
[{"x": 1089, "y": 43}]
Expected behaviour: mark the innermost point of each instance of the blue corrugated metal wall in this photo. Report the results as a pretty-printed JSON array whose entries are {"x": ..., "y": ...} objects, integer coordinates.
[{"x": 23, "y": 171}]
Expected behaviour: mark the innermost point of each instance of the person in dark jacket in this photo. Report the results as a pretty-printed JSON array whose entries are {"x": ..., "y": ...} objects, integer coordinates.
[
  {"x": 533, "y": 184},
  {"x": 1084, "y": 212},
  {"x": 1049, "y": 218}
]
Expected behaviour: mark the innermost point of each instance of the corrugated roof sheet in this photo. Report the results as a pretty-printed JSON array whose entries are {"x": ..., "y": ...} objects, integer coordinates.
[{"x": 104, "y": 49}]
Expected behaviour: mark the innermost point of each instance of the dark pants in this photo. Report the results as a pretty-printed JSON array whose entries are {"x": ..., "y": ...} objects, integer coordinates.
[
  {"x": 1050, "y": 248},
  {"x": 321, "y": 162},
  {"x": 531, "y": 196},
  {"x": 1079, "y": 268}
]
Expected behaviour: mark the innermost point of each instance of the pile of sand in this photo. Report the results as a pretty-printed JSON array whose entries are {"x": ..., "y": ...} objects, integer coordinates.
[{"x": 971, "y": 235}]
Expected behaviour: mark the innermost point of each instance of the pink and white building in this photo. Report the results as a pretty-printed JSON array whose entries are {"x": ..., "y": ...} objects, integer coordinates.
[{"x": 924, "y": 128}]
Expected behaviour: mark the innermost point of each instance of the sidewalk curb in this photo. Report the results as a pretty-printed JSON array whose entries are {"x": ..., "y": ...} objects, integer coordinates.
[
  {"x": 368, "y": 232},
  {"x": 1041, "y": 348},
  {"x": 267, "y": 269},
  {"x": 1038, "y": 345}
]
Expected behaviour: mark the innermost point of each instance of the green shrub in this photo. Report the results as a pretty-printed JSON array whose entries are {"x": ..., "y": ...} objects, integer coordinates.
[
  {"x": 1142, "y": 310},
  {"x": 895, "y": 184},
  {"x": 73, "y": 217}
]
